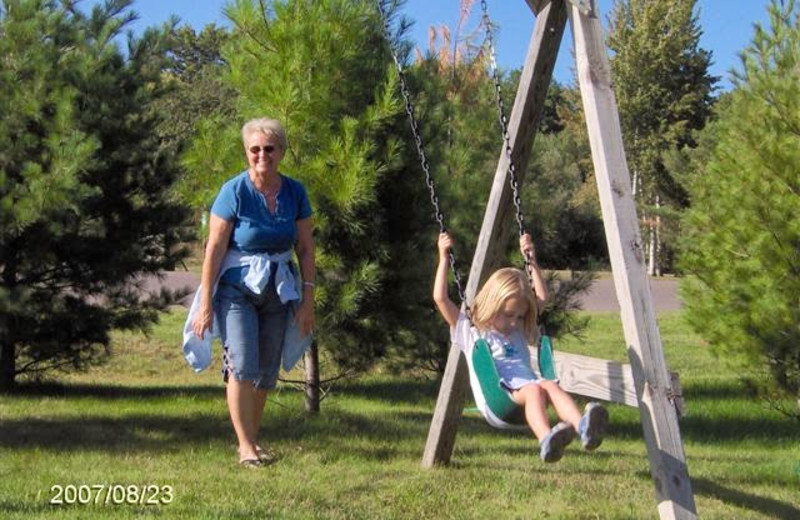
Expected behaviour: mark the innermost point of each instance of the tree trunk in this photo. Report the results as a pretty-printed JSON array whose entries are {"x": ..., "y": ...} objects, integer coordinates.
[
  {"x": 7, "y": 356},
  {"x": 8, "y": 353},
  {"x": 657, "y": 255},
  {"x": 312, "y": 379},
  {"x": 651, "y": 242},
  {"x": 651, "y": 250}
]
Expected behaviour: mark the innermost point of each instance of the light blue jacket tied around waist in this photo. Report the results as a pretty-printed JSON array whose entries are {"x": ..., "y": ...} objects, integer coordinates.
[{"x": 198, "y": 351}]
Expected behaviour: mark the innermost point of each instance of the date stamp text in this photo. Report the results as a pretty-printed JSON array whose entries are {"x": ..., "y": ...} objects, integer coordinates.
[{"x": 108, "y": 494}]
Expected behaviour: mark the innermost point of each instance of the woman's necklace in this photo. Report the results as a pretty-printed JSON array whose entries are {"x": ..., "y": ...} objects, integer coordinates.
[
  {"x": 272, "y": 200},
  {"x": 271, "y": 197}
]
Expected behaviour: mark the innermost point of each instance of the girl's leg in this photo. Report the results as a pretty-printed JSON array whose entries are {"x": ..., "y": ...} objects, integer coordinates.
[
  {"x": 552, "y": 441},
  {"x": 534, "y": 401},
  {"x": 565, "y": 407},
  {"x": 590, "y": 425}
]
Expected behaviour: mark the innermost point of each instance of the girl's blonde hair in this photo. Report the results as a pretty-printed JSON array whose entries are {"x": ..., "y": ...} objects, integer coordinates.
[
  {"x": 266, "y": 126},
  {"x": 504, "y": 284}
]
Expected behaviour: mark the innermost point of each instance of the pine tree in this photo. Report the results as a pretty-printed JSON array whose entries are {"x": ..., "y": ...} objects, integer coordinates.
[
  {"x": 452, "y": 98},
  {"x": 742, "y": 235},
  {"x": 84, "y": 186},
  {"x": 321, "y": 68},
  {"x": 663, "y": 90},
  {"x": 560, "y": 200},
  {"x": 192, "y": 74}
]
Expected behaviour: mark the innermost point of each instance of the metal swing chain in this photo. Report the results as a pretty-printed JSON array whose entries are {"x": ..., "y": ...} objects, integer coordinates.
[
  {"x": 512, "y": 171},
  {"x": 409, "y": 106},
  {"x": 503, "y": 120}
]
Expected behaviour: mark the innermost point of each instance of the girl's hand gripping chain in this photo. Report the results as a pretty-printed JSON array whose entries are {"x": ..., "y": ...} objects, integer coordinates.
[
  {"x": 526, "y": 248},
  {"x": 445, "y": 245},
  {"x": 447, "y": 308},
  {"x": 539, "y": 286}
]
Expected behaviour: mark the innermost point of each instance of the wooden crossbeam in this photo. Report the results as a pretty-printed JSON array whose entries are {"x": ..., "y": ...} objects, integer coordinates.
[{"x": 602, "y": 379}]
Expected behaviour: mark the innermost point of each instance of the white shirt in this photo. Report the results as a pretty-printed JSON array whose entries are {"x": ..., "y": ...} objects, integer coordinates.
[{"x": 512, "y": 356}]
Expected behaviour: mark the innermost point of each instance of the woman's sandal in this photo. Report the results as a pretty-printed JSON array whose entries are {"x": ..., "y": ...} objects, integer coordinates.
[
  {"x": 251, "y": 463},
  {"x": 266, "y": 456}
]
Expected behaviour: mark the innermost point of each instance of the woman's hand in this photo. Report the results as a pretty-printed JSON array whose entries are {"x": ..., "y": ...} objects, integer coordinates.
[
  {"x": 526, "y": 248},
  {"x": 219, "y": 234},
  {"x": 304, "y": 317},
  {"x": 203, "y": 321},
  {"x": 445, "y": 244}
]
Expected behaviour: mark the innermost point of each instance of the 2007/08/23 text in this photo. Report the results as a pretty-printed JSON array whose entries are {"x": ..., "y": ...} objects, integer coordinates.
[{"x": 105, "y": 494}]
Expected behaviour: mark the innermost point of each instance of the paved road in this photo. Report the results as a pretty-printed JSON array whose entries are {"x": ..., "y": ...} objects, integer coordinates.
[
  {"x": 174, "y": 280},
  {"x": 601, "y": 298}
]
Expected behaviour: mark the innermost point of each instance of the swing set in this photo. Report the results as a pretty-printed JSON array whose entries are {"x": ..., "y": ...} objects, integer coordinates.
[{"x": 645, "y": 383}]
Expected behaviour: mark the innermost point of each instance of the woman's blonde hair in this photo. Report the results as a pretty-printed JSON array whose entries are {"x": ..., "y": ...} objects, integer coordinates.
[
  {"x": 266, "y": 126},
  {"x": 504, "y": 284}
]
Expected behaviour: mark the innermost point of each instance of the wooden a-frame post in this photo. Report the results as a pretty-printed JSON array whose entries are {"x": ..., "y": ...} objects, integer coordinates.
[
  {"x": 654, "y": 390},
  {"x": 523, "y": 122}
]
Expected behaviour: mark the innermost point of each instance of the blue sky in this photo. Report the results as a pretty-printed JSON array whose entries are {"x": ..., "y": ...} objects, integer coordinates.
[{"x": 727, "y": 26}]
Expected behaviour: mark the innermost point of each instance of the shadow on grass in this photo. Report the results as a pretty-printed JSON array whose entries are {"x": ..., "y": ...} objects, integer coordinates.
[
  {"x": 756, "y": 421},
  {"x": 393, "y": 390},
  {"x": 715, "y": 391},
  {"x": 771, "y": 427},
  {"x": 111, "y": 391},
  {"x": 334, "y": 435},
  {"x": 715, "y": 430},
  {"x": 769, "y": 506},
  {"x": 133, "y": 433},
  {"x": 105, "y": 429},
  {"x": 382, "y": 434}
]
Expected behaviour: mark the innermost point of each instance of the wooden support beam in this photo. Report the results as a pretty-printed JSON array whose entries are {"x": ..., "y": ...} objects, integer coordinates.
[
  {"x": 522, "y": 126},
  {"x": 654, "y": 392},
  {"x": 586, "y": 6},
  {"x": 596, "y": 378},
  {"x": 536, "y": 5},
  {"x": 601, "y": 379},
  {"x": 449, "y": 406},
  {"x": 524, "y": 122}
]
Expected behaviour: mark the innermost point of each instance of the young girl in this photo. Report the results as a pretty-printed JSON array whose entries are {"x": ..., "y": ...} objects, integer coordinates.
[{"x": 504, "y": 314}]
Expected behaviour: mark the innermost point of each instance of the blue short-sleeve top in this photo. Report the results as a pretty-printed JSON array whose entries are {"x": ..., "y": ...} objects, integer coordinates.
[{"x": 255, "y": 229}]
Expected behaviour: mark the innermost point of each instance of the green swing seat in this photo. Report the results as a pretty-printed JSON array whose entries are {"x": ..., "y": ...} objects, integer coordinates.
[{"x": 491, "y": 398}]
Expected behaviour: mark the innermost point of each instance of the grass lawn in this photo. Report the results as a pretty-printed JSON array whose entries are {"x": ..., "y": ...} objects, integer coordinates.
[{"x": 146, "y": 420}]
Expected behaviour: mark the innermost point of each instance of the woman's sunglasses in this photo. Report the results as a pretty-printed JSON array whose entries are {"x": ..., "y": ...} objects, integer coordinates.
[{"x": 266, "y": 149}]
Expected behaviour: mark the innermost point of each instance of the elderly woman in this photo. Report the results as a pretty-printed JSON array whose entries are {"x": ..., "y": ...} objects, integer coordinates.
[{"x": 249, "y": 286}]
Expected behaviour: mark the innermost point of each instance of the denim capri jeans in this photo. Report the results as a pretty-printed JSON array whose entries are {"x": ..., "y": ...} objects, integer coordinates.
[{"x": 252, "y": 328}]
